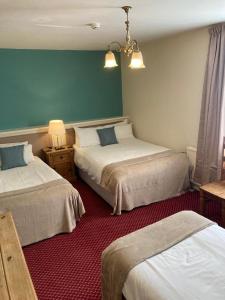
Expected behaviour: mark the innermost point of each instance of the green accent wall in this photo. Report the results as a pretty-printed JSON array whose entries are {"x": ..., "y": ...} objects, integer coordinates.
[{"x": 39, "y": 85}]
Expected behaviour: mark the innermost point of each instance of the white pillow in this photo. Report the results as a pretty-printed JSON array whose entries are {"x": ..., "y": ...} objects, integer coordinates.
[
  {"x": 124, "y": 131},
  {"x": 88, "y": 136},
  {"x": 28, "y": 154}
]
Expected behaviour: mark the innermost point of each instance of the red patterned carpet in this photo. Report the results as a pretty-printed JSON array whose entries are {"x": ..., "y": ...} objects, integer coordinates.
[{"x": 67, "y": 267}]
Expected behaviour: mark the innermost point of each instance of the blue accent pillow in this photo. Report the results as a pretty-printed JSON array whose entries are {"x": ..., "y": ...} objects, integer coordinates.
[
  {"x": 107, "y": 136},
  {"x": 12, "y": 157}
]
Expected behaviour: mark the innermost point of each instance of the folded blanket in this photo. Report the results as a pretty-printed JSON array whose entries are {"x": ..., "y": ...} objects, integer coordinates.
[
  {"x": 146, "y": 179},
  {"x": 42, "y": 211},
  {"x": 127, "y": 252}
]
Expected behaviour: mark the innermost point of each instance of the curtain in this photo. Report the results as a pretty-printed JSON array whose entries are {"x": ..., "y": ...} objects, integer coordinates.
[{"x": 211, "y": 128}]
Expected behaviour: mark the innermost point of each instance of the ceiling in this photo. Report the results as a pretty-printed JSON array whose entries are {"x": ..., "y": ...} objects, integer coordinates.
[{"x": 23, "y": 22}]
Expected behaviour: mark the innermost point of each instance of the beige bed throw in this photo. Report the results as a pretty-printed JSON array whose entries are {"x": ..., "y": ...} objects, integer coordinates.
[
  {"x": 127, "y": 252},
  {"x": 43, "y": 211},
  {"x": 144, "y": 180}
]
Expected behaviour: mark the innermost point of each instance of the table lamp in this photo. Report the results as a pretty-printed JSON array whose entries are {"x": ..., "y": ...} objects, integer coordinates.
[{"x": 57, "y": 130}]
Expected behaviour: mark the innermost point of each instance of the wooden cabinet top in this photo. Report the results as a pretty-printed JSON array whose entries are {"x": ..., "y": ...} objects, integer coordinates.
[{"x": 216, "y": 188}]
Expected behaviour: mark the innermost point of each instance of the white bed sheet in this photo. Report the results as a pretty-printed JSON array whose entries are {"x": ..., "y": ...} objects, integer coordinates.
[
  {"x": 93, "y": 159},
  {"x": 192, "y": 269},
  {"x": 35, "y": 173}
]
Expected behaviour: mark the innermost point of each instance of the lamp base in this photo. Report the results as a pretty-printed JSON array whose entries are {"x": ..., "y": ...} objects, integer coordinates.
[{"x": 59, "y": 148}]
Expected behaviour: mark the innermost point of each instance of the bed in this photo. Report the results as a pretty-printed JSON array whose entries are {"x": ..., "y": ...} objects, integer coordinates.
[
  {"x": 132, "y": 172},
  {"x": 187, "y": 262},
  {"x": 43, "y": 204}
]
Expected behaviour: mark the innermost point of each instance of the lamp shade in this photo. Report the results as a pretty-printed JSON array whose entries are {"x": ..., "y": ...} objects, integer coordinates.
[
  {"x": 110, "y": 60},
  {"x": 137, "y": 60},
  {"x": 56, "y": 127}
]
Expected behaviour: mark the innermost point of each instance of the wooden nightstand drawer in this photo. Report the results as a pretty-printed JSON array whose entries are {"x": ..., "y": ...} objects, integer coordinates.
[{"x": 61, "y": 157}]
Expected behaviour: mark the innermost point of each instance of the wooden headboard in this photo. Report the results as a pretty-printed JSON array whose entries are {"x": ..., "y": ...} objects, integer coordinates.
[{"x": 40, "y": 138}]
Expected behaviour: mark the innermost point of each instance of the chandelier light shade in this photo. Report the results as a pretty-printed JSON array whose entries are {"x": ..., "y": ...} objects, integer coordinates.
[
  {"x": 130, "y": 49},
  {"x": 110, "y": 60},
  {"x": 136, "y": 60}
]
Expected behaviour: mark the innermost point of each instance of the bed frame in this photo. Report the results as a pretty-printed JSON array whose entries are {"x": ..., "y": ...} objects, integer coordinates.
[{"x": 96, "y": 187}]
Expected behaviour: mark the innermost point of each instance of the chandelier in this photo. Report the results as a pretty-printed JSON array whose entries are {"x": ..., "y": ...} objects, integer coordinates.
[{"x": 130, "y": 49}]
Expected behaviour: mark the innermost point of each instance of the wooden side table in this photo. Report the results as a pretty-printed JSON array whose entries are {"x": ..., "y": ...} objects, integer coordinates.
[
  {"x": 213, "y": 191},
  {"x": 62, "y": 161},
  {"x": 15, "y": 280}
]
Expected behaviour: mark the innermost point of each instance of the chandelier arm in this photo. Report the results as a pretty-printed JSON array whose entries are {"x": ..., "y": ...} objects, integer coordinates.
[
  {"x": 129, "y": 49},
  {"x": 135, "y": 46},
  {"x": 119, "y": 46}
]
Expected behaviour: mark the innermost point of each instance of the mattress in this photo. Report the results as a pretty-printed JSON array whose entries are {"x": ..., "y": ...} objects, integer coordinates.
[
  {"x": 93, "y": 159},
  {"x": 35, "y": 173},
  {"x": 192, "y": 269}
]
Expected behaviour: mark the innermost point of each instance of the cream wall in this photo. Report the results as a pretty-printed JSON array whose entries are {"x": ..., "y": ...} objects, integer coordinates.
[{"x": 164, "y": 100}]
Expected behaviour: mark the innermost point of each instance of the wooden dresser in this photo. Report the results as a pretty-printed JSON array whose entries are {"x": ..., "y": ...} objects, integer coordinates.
[
  {"x": 15, "y": 280},
  {"x": 62, "y": 161}
]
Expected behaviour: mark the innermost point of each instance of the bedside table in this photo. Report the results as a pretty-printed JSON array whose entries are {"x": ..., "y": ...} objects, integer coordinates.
[
  {"x": 213, "y": 191},
  {"x": 62, "y": 161}
]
